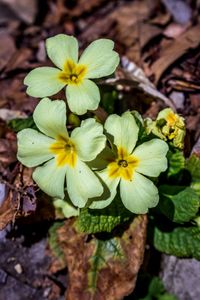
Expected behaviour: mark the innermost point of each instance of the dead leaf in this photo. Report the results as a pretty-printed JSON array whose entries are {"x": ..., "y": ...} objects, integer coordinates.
[
  {"x": 20, "y": 59},
  {"x": 9, "y": 114},
  {"x": 94, "y": 264},
  {"x": 7, "y": 49},
  {"x": 174, "y": 50},
  {"x": 136, "y": 79},
  {"x": 8, "y": 149},
  {"x": 24, "y": 10},
  {"x": 174, "y": 30},
  {"x": 8, "y": 210}
]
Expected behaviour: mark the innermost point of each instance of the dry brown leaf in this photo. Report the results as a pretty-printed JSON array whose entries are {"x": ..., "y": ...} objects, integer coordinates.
[
  {"x": 8, "y": 211},
  {"x": 23, "y": 9},
  {"x": 7, "y": 49},
  {"x": 174, "y": 50},
  {"x": 20, "y": 59},
  {"x": 8, "y": 149},
  {"x": 114, "y": 275}
]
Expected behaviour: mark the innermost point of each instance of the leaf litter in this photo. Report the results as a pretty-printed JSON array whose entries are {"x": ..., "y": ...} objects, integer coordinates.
[{"x": 154, "y": 57}]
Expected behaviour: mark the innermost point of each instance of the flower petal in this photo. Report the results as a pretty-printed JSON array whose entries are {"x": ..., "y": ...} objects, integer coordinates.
[
  {"x": 61, "y": 48},
  {"x": 82, "y": 97},
  {"x": 106, "y": 198},
  {"x": 67, "y": 209},
  {"x": 139, "y": 194},
  {"x": 51, "y": 179},
  {"x": 50, "y": 118},
  {"x": 43, "y": 82},
  {"x": 33, "y": 147},
  {"x": 124, "y": 130},
  {"x": 89, "y": 139},
  {"x": 152, "y": 157},
  {"x": 82, "y": 184},
  {"x": 100, "y": 58}
]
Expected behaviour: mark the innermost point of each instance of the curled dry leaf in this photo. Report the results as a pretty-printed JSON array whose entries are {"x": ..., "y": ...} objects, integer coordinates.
[
  {"x": 102, "y": 269},
  {"x": 175, "y": 49},
  {"x": 8, "y": 210}
]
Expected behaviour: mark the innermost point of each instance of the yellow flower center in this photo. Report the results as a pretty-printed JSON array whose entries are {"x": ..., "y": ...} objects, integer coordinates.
[
  {"x": 72, "y": 73},
  {"x": 123, "y": 166},
  {"x": 65, "y": 151},
  {"x": 171, "y": 118}
]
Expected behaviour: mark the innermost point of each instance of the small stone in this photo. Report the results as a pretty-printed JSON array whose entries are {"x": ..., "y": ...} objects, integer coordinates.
[
  {"x": 18, "y": 268},
  {"x": 3, "y": 276},
  {"x": 178, "y": 99}
]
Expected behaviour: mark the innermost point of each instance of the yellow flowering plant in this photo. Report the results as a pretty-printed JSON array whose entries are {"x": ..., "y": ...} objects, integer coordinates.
[
  {"x": 168, "y": 126},
  {"x": 98, "y": 60},
  {"x": 92, "y": 164}
]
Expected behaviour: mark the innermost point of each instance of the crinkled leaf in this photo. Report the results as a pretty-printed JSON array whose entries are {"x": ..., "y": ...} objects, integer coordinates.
[
  {"x": 176, "y": 162},
  {"x": 193, "y": 166},
  {"x": 95, "y": 263},
  {"x": 99, "y": 220},
  {"x": 181, "y": 241},
  {"x": 179, "y": 204},
  {"x": 19, "y": 124}
]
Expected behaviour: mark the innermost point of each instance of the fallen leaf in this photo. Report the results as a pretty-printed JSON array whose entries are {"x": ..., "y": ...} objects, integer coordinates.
[
  {"x": 9, "y": 114},
  {"x": 8, "y": 210},
  {"x": 136, "y": 78},
  {"x": 174, "y": 30},
  {"x": 174, "y": 50},
  {"x": 20, "y": 59},
  {"x": 24, "y": 10},
  {"x": 8, "y": 149},
  {"x": 95, "y": 263},
  {"x": 7, "y": 49}
]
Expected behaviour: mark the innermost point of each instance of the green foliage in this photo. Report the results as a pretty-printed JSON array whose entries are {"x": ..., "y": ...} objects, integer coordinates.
[
  {"x": 104, "y": 250},
  {"x": 53, "y": 243},
  {"x": 19, "y": 124},
  {"x": 181, "y": 241},
  {"x": 193, "y": 166},
  {"x": 179, "y": 204},
  {"x": 104, "y": 220},
  {"x": 108, "y": 101},
  {"x": 176, "y": 162},
  {"x": 156, "y": 291}
]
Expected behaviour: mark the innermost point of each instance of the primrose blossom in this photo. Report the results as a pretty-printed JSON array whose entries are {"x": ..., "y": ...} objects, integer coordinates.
[
  {"x": 65, "y": 156},
  {"x": 98, "y": 60},
  {"x": 129, "y": 166}
]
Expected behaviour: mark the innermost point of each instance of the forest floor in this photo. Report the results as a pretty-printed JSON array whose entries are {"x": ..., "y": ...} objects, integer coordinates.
[{"x": 160, "y": 37}]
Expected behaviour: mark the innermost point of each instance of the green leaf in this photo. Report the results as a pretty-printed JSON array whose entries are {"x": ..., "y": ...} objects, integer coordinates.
[
  {"x": 157, "y": 291},
  {"x": 108, "y": 101},
  {"x": 104, "y": 220},
  {"x": 179, "y": 204},
  {"x": 105, "y": 250},
  {"x": 19, "y": 124},
  {"x": 176, "y": 162},
  {"x": 193, "y": 166},
  {"x": 181, "y": 241},
  {"x": 53, "y": 241}
]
